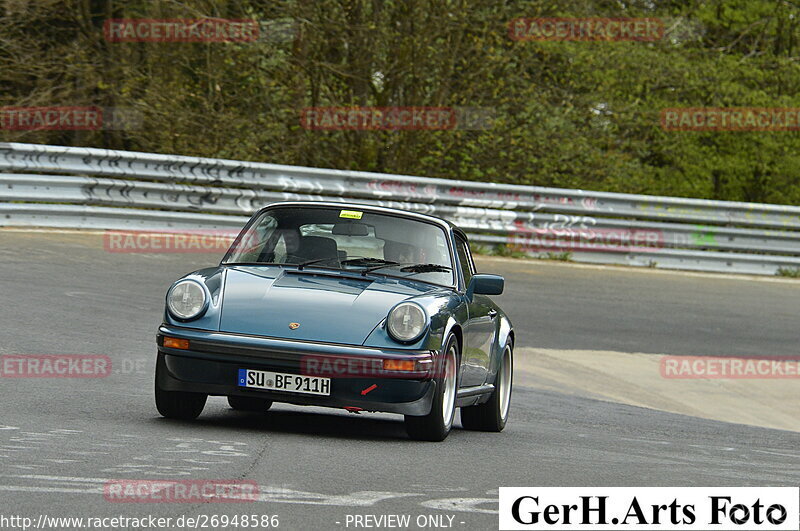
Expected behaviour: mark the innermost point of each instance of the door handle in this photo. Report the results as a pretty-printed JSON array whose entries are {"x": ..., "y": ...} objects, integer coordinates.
[{"x": 492, "y": 314}]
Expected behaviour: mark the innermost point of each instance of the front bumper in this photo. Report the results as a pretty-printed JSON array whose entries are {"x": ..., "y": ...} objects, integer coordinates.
[{"x": 212, "y": 362}]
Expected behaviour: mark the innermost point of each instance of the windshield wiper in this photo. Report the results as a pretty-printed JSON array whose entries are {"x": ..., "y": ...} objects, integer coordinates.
[
  {"x": 426, "y": 268},
  {"x": 407, "y": 267},
  {"x": 365, "y": 260},
  {"x": 301, "y": 265},
  {"x": 411, "y": 268}
]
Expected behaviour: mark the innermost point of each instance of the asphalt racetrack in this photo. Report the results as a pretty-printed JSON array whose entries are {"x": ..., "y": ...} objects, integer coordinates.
[{"x": 62, "y": 439}]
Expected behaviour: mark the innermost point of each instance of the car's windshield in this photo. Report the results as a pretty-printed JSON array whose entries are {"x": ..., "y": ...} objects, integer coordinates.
[{"x": 348, "y": 239}]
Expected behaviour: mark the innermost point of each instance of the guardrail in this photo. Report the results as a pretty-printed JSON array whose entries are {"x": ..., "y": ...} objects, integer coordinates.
[{"x": 54, "y": 186}]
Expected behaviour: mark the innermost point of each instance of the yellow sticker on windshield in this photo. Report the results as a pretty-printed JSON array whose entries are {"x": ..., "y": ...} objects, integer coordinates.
[{"x": 350, "y": 214}]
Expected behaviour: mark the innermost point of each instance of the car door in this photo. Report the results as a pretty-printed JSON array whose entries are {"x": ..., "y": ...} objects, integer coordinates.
[{"x": 480, "y": 328}]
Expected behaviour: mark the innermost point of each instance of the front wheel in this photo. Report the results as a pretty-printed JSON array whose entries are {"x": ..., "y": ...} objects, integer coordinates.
[
  {"x": 249, "y": 403},
  {"x": 177, "y": 404},
  {"x": 492, "y": 415},
  {"x": 435, "y": 426}
]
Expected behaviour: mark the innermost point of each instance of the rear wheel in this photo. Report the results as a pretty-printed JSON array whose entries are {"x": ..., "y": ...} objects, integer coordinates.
[
  {"x": 435, "y": 426},
  {"x": 249, "y": 403},
  {"x": 492, "y": 415},
  {"x": 177, "y": 404}
]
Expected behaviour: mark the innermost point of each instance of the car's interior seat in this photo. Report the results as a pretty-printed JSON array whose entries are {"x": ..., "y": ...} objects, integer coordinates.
[
  {"x": 317, "y": 247},
  {"x": 398, "y": 252}
]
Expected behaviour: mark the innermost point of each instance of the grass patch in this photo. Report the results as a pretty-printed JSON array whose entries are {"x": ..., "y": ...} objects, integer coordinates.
[
  {"x": 561, "y": 257},
  {"x": 513, "y": 251},
  {"x": 499, "y": 250},
  {"x": 792, "y": 272}
]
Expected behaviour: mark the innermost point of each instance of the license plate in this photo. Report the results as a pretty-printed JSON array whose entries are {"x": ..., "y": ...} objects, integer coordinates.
[{"x": 280, "y": 381}]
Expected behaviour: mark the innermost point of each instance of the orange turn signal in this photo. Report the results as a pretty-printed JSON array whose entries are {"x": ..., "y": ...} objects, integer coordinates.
[
  {"x": 174, "y": 342},
  {"x": 399, "y": 365}
]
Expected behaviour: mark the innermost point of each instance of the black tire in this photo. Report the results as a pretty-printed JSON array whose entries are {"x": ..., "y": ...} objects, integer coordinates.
[
  {"x": 177, "y": 404},
  {"x": 493, "y": 415},
  {"x": 436, "y": 425},
  {"x": 249, "y": 403}
]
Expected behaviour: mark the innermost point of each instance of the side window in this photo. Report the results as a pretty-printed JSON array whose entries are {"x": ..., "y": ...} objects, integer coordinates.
[
  {"x": 254, "y": 242},
  {"x": 465, "y": 259}
]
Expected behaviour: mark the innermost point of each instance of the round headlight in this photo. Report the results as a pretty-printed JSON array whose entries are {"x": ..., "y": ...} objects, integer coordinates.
[
  {"x": 186, "y": 299},
  {"x": 406, "y": 321}
]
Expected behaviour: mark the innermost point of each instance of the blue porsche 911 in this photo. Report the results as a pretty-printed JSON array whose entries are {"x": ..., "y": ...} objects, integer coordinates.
[{"x": 341, "y": 305}]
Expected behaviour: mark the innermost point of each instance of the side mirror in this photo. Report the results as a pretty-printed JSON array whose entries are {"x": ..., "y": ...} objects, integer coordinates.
[{"x": 486, "y": 285}]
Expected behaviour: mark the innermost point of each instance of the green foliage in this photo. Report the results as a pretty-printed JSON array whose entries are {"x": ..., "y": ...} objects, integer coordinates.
[
  {"x": 510, "y": 251},
  {"x": 561, "y": 257},
  {"x": 566, "y": 114},
  {"x": 792, "y": 272}
]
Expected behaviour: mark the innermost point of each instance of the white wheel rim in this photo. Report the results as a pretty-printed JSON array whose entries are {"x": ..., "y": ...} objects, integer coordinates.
[
  {"x": 505, "y": 383},
  {"x": 449, "y": 386}
]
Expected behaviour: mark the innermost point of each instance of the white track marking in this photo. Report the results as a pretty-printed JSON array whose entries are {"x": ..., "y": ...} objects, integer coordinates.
[{"x": 470, "y": 505}]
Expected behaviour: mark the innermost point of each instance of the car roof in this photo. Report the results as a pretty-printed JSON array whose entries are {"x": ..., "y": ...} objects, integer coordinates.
[{"x": 372, "y": 208}]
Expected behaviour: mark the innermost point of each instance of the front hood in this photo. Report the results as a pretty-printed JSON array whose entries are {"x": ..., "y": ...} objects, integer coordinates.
[{"x": 329, "y": 307}]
